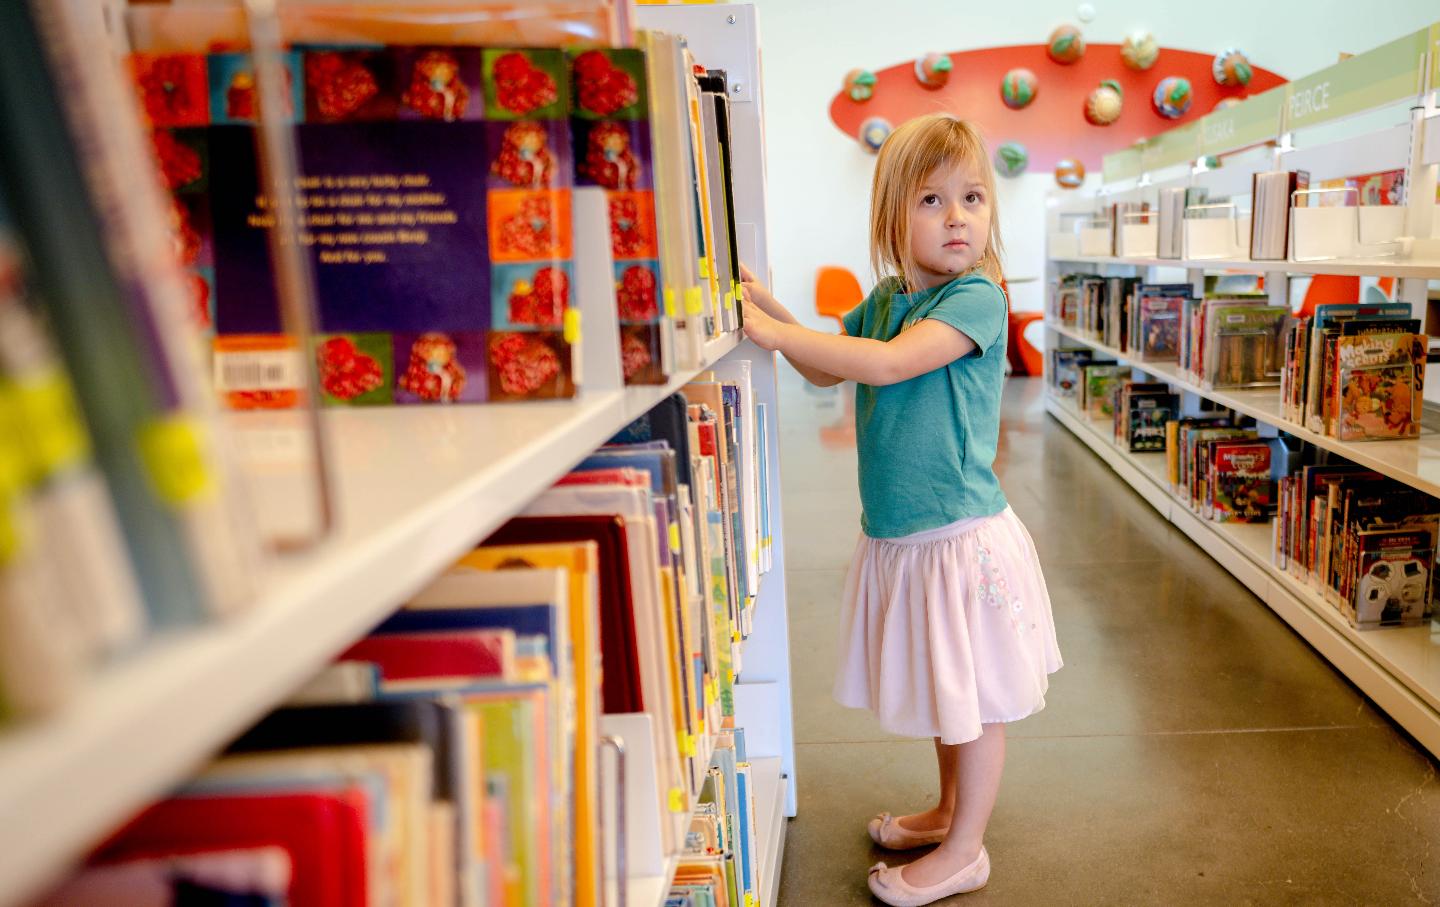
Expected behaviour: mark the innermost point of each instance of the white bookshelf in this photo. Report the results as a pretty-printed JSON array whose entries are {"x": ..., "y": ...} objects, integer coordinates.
[
  {"x": 1355, "y": 267},
  {"x": 1397, "y": 668},
  {"x": 414, "y": 488},
  {"x": 1388, "y": 125},
  {"x": 1414, "y": 462}
]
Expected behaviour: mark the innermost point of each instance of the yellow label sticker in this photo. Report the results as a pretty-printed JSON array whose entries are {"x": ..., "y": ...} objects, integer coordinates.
[
  {"x": 749, "y": 899},
  {"x": 674, "y": 538},
  {"x": 736, "y": 289},
  {"x": 677, "y": 800},
  {"x": 572, "y": 326},
  {"x": 694, "y": 301},
  {"x": 687, "y": 745},
  {"x": 174, "y": 459},
  {"x": 50, "y": 423},
  {"x": 10, "y": 537},
  {"x": 669, "y": 302},
  {"x": 729, "y": 301},
  {"x": 704, "y": 267},
  {"x": 710, "y": 692}
]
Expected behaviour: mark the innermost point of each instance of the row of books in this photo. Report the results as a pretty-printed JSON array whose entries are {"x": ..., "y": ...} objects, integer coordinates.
[
  {"x": 1355, "y": 372},
  {"x": 434, "y": 199},
  {"x": 1364, "y": 542},
  {"x": 451, "y": 757},
  {"x": 1352, "y": 371},
  {"x": 1137, "y": 411}
]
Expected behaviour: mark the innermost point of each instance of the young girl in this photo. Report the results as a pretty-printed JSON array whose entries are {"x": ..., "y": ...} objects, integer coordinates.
[{"x": 947, "y": 631}]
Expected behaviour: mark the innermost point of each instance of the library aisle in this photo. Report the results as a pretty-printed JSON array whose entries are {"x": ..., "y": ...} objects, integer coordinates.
[{"x": 1194, "y": 749}]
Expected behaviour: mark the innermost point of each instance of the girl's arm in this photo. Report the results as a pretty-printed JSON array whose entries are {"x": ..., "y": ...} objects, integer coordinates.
[
  {"x": 922, "y": 348},
  {"x": 754, "y": 292}
]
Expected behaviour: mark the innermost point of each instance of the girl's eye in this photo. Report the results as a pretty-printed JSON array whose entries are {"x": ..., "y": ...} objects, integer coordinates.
[
  {"x": 974, "y": 198},
  {"x": 930, "y": 200}
]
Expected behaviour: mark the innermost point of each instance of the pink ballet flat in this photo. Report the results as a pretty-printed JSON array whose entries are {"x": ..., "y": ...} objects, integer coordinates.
[
  {"x": 886, "y": 831},
  {"x": 889, "y": 885}
]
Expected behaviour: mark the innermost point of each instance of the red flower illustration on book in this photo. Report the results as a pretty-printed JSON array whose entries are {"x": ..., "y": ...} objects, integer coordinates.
[
  {"x": 525, "y": 159},
  {"x": 434, "y": 372},
  {"x": 436, "y": 91},
  {"x": 627, "y": 238},
  {"x": 345, "y": 371},
  {"x": 636, "y": 294},
  {"x": 531, "y": 230},
  {"x": 543, "y": 302},
  {"x": 609, "y": 162},
  {"x": 601, "y": 87},
  {"x": 182, "y": 230},
  {"x": 199, "y": 299},
  {"x": 634, "y": 355},
  {"x": 179, "y": 163},
  {"x": 173, "y": 89},
  {"x": 521, "y": 86},
  {"x": 340, "y": 86},
  {"x": 525, "y": 362}
]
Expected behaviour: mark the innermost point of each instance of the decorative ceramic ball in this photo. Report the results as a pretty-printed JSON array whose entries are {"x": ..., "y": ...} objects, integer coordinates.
[
  {"x": 1140, "y": 51},
  {"x": 1104, "y": 104},
  {"x": 1070, "y": 173},
  {"x": 1226, "y": 103},
  {"x": 933, "y": 70},
  {"x": 1173, "y": 97},
  {"x": 1011, "y": 159},
  {"x": 874, "y": 132},
  {"x": 1231, "y": 68},
  {"x": 1066, "y": 44},
  {"x": 1018, "y": 88},
  {"x": 860, "y": 85}
]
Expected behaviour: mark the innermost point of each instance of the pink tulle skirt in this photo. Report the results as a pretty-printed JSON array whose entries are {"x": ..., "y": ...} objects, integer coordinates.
[{"x": 948, "y": 629}]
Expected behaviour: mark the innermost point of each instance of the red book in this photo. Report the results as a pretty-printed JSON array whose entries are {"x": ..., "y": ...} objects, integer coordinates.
[
  {"x": 620, "y": 680},
  {"x": 324, "y": 834},
  {"x": 627, "y": 476},
  {"x": 427, "y": 656}
]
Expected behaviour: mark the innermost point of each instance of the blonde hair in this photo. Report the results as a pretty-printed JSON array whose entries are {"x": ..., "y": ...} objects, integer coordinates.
[{"x": 910, "y": 154}]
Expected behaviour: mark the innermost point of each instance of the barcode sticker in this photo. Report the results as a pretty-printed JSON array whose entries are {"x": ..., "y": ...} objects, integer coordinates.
[{"x": 257, "y": 370}]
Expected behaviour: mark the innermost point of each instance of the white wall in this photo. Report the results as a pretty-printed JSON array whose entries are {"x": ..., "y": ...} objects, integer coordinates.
[{"x": 819, "y": 179}]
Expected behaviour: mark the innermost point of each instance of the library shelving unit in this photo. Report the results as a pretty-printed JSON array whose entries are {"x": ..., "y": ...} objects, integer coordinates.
[
  {"x": 414, "y": 489},
  {"x": 1370, "y": 113}
]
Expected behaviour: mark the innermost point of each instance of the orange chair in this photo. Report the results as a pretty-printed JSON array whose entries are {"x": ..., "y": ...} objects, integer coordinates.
[
  {"x": 837, "y": 291},
  {"x": 1024, "y": 358}
]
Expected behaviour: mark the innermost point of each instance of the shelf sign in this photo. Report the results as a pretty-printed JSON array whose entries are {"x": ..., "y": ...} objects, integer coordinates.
[
  {"x": 1122, "y": 165},
  {"x": 1389, "y": 73},
  {"x": 1180, "y": 145},
  {"x": 1251, "y": 122}
]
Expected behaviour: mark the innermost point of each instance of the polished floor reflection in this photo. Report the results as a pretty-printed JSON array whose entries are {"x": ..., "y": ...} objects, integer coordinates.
[{"x": 1194, "y": 750}]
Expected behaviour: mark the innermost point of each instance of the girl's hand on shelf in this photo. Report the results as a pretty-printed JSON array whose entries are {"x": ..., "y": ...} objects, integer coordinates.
[
  {"x": 760, "y": 327},
  {"x": 754, "y": 291}
]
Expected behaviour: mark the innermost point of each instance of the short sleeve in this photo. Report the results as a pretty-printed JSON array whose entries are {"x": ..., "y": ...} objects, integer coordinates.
[
  {"x": 975, "y": 308},
  {"x": 854, "y": 320}
]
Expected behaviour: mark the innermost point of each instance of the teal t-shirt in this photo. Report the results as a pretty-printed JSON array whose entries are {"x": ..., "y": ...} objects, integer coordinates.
[{"x": 927, "y": 445}]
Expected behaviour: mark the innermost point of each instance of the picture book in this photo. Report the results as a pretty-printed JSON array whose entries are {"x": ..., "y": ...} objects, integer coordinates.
[
  {"x": 1099, "y": 384},
  {"x": 1159, "y": 321},
  {"x": 1065, "y": 370},
  {"x": 1242, "y": 487},
  {"x": 405, "y": 232},
  {"x": 1379, "y": 384},
  {"x": 1147, "y": 413}
]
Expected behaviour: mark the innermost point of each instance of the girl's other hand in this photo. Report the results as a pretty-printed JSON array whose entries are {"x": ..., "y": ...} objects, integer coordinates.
[{"x": 760, "y": 327}]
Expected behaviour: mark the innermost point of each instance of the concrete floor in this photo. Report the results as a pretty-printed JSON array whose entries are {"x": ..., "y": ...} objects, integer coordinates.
[{"x": 1194, "y": 749}]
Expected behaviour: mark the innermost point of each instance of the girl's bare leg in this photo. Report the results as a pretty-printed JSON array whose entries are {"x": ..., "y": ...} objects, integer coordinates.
[{"x": 979, "y": 765}]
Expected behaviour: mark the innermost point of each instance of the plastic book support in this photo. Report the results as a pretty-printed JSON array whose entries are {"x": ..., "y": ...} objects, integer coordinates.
[
  {"x": 1216, "y": 237},
  {"x": 1350, "y": 231},
  {"x": 1140, "y": 239}
]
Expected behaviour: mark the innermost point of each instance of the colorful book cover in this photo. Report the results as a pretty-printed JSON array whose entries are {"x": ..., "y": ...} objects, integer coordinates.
[
  {"x": 1147, "y": 414},
  {"x": 1160, "y": 327},
  {"x": 614, "y": 151},
  {"x": 1242, "y": 488},
  {"x": 1379, "y": 386},
  {"x": 1100, "y": 381},
  {"x": 1394, "y": 568},
  {"x": 393, "y": 210}
]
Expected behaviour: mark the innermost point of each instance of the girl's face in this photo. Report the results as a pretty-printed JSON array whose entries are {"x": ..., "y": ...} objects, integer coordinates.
[{"x": 949, "y": 224}]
